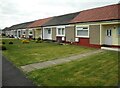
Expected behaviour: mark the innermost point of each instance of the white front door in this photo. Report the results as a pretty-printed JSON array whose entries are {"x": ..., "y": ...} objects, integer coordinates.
[
  {"x": 108, "y": 37},
  {"x": 47, "y": 33}
]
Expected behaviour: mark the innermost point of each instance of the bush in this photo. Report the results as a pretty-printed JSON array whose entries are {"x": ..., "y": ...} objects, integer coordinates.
[
  {"x": 25, "y": 41},
  {"x": 10, "y": 42},
  {"x": 39, "y": 41},
  {"x": 3, "y": 42},
  {"x": 34, "y": 39},
  {"x": 2, "y": 47}
]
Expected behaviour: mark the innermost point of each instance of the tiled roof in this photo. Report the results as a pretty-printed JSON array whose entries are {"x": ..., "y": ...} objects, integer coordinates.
[
  {"x": 61, "y": 20},
  {"x": 6, "y": 29},
  {"x": 20, "y": 26},
  {"x": 98, "y": 14},
  {"x": 39, "y": 22}
]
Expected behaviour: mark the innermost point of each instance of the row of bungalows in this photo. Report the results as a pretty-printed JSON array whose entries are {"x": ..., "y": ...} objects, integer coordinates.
[
  {"x": 93, "y": 27},
  {"x": 35, "y": 28},
  {"x": 20, "y": 30},
  {"x": 5, "y": 31}
]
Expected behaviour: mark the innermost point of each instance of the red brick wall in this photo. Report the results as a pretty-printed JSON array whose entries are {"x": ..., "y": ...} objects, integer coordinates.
[
  {"x": 59, "y": 38},
  {"x": 86, "y": 42}
]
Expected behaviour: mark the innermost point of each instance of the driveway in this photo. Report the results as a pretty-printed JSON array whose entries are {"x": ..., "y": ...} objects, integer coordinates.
[{"x": 12, "y": 76}]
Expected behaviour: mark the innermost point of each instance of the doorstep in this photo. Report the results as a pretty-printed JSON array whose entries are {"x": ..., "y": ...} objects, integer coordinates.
[{"x": 108, "y": 48}]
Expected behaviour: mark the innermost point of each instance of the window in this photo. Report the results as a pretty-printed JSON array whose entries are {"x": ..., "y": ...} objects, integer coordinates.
[
  {"x": 109, "y": 32},
  {"x": 82, "y": 32},
  {"x": 49, "y": 31},
  {"x": 118, "y": 30},
  {"x": 61, "y": 31},
  {"x": 30, "y": 32}
]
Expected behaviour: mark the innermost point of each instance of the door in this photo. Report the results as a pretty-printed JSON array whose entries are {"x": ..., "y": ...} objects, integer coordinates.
[
  {"x": 108, "y": 37},
  {"x": 47, "y": 33},
  {"x": 19, "y": 34}
]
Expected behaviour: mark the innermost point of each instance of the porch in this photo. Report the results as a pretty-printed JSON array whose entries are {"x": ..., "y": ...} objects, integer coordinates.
[
  {"x": 110, "y": 35},
  {"x": 47, "y": 33}
]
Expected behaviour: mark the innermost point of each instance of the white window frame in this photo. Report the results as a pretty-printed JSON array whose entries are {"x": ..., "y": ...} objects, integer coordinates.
[
  {"x": 30, "y": 33},
  {"x": 44, "y": 28},
  {"x": 60, "y": 27},
  {"x": 80, "y": 26},
  {"x": 49, "y": 31},
  {"x": 23, "y": 31},
  {"x": 109, "y": 32},
  {"x": 118, "y": 29}
]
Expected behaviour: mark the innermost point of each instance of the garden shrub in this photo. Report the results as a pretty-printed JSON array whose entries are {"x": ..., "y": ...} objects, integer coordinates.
[
  {"x": 3, "y": 42},
  {"x": 34, "y": 39},
  {"x": 39, "y": 40},
  {"x": 25, "y": 41},
  {"x": 10, "y": 42},
  {"x": 2, "y": 47}
]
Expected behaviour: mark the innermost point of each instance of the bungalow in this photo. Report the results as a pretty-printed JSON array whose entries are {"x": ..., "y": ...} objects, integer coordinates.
[
  {"x": 35, "y": 29},
  {"x": 13, "y": 30},
  {"x": 98, "y": 27},
  {"x": 22, "y": 29},
  {"x": 57, "y": 29},
  {"x": 93, "y": 28},
  {"x": 6, "y": 31},
  {"x": 19, "y": 30}
]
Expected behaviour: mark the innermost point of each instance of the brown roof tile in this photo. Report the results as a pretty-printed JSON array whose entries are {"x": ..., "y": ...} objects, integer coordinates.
[
  {"x": 39, "y": 22},
  {"x": 98, "y": 14}
]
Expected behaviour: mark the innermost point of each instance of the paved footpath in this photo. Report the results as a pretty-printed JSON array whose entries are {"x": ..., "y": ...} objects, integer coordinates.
[
  {"x": 12, "y": 76},
  {"x": 41, "y": 65}
]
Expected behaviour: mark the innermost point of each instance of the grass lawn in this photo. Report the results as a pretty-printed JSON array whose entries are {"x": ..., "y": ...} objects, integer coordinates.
[
  {"x": 22, "y": 54},
  {"x": 96, "y": 70}
]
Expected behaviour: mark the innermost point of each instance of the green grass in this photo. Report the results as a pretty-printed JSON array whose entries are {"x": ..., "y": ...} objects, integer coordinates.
[
  {"x": 97, "y": 70},
  {"x": 22, "y": 54}
]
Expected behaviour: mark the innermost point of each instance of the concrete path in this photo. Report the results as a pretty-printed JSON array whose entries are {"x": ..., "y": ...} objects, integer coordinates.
[
  {"x": 6, "y": 38},
  {"x": 112, "y": 49},
  {"x": 41, "y": 65},
  {"x": 12, "y": 76}
]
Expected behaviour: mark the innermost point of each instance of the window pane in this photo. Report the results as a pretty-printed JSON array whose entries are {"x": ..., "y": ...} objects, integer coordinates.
[
  {"x": 82, "y": 32},
  {"x": 119, "y": 30},
  {"x": 59, "y": 31},
  {"x": 62, "y": 31},
  {"x": 49, "y": 31},
  {"x": 30, "y": 32},
  {"x": 85, "y": 27},
  {"x": 79, "y": 28}
]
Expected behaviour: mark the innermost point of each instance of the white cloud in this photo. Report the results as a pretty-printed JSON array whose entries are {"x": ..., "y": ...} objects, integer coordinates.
[{"x": 18, "y": 11}]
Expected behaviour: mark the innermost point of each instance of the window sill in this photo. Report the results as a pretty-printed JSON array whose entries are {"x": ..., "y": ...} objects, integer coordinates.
[
  {"x": 83, "y": 36},
  {"x": 61, "y": 35}
]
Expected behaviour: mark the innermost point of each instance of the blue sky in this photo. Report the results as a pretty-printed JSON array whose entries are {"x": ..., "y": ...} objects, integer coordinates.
[{"x": 19, "y": 11}]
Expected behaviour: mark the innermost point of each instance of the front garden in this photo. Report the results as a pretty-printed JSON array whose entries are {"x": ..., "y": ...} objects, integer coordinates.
[
  {"x": 21, "y": 54},
  {"x": 96, "y": 70}
]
